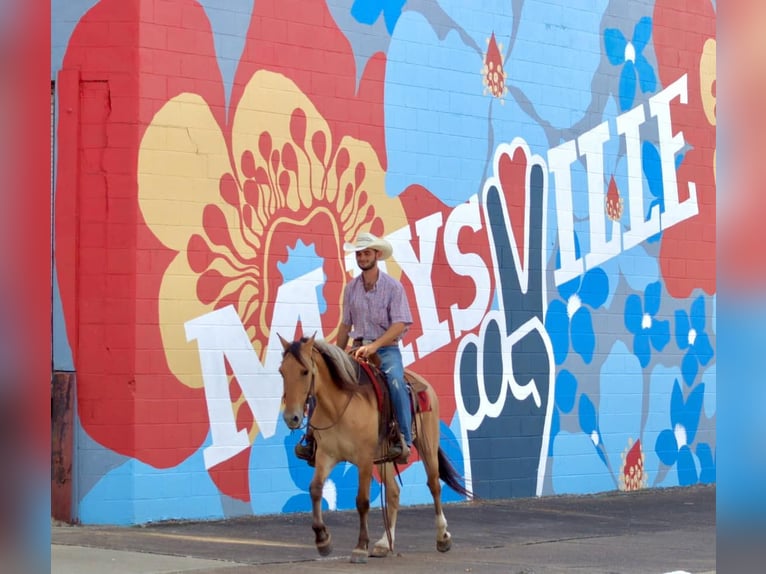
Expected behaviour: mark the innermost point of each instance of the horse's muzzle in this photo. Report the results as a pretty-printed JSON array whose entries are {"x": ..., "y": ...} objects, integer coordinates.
[{"x": 292, "y": 419}]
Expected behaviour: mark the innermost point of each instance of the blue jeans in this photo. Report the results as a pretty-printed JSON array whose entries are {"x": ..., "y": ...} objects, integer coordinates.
[{"x": 391, "y": 364}]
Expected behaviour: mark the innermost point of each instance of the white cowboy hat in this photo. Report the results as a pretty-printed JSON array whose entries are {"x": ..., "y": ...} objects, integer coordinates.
[{"x": 369, "y": 241}]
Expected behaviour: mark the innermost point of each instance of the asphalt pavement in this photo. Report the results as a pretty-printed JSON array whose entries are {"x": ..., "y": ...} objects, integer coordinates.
[{"x": 650, "y": 531}]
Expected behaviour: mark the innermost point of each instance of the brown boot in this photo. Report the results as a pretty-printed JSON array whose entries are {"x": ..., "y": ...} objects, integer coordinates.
[
  {"x": 399, "y": 453},
  {"x": 306, "y": 449}
]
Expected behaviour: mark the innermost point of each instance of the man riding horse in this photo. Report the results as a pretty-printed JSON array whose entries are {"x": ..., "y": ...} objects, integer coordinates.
[{"x": 376, "y": 315}]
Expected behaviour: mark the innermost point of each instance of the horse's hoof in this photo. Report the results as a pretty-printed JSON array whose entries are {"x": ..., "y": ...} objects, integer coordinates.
[
  {"x": 359, "y": 556},
  {"x": 325, "y": 548},
  {"x": 380, "y": 552},
  {"x": 444, "y": 545}
]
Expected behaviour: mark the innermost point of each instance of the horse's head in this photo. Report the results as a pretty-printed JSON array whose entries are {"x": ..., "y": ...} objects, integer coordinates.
[{"x": 297, "y": 370}]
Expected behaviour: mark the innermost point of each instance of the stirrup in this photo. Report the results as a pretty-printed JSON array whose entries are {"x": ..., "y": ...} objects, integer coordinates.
[{"x": 398, "y": 452}]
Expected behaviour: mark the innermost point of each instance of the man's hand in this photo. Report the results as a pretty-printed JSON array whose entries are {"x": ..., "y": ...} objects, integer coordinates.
[{"x": 365, "y": 351}]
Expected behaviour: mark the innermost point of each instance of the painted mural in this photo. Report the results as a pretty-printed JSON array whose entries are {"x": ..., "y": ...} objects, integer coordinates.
[{"x": 545, "y": 173}]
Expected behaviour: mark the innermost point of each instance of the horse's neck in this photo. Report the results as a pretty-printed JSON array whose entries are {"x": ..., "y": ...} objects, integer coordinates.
[{"x": 331, "y": 400}]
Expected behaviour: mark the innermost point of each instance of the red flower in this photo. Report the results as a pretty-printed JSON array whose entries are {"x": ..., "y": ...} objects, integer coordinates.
[
  {"x": 683, "y": 46},
  {"x": 169, "y": 205}
]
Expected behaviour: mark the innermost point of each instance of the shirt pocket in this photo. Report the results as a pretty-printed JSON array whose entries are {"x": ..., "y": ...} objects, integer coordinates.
[{"x": 380, "y": 318}]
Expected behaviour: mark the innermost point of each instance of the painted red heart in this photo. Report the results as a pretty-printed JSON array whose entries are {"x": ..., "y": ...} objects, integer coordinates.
[{"x": 512, "y": 172}]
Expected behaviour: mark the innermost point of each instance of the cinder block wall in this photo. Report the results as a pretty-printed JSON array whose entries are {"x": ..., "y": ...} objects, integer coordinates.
[{"x": 545, "y": 172}]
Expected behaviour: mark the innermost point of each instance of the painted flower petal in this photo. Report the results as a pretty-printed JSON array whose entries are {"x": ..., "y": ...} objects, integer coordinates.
[
  {"x": 687, "y": 470},
  {"x": 440, "y": 62},
  {"x": 652, "y": 167},
  {"x": 627, "y": 88},
  {"x": 682, "y": 329},
  {"x": 566, "y": 390},
  {"x": 697, "y": 314},
  {"x": 689, "y": 367},
  {"x": 366, "y": 11},
  {"x": 595, "y": 287},
  {"x": 600, "y": 450},
  {"x": 660, "y": 334},
  {"x": 566, "y": 290},
  {"x": 574, "y": 469},
  {"x": 578, "y": 53},
  {"x": 676, "y": 404},
  {"x": 583, "y": 338},
  {"x": 162, "y": 164},
  {"x": 633, "y": 314},
  {"x": 707, "y": 463},
  {"x": 642, "y": 32},
  {"x": 652, "y": 298},
  {"x": 392, "y": 12},
  {"x": 614, "y": 45},
  {"x": 666, "y": 447},
  {"x": 620, "y": 402},
  {"x": 690, "y": 419},
  {"x": 641, "y": 348},
  {"x": 703, "y": 349},
  {"x": 646, "y": 77},
  {"x": 587, "y": 414},
  {"x": 557, "y": 325}
]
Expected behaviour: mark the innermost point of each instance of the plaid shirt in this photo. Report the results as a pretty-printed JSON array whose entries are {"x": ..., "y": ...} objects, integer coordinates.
[{"x": 371, "y": 313}]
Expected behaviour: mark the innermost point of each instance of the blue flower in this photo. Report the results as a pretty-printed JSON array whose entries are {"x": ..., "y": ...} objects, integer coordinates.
[
  {"x": 566, "y": 391},
  {"x": 692, "y": 336},
  {"x": 707, "y": 463},
  {"x": 673, "y": 445},
  {"x": 589, "y": 425},
  {"x": 460, "y": 55},
  {"x": 635, "y": 66},
  {"x": 368, "y": 12},
  {"x": 647, "y": 331},
  {"x": 571, "y": 316},
  {"x": 606, "y": 449},
  {"x": 652, "y": 168}
]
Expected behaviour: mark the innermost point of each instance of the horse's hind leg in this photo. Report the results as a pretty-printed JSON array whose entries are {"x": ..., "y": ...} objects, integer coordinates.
[
  {"x": 359, "y": 554},
  {"x": 382, "y": 547},
  {"x": 322, "y": 537},
  {"x": 428, "y": 447}
]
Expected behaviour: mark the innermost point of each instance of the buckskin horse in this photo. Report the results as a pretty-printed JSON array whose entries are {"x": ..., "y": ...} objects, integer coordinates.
[{"x": 344, "y": 418}]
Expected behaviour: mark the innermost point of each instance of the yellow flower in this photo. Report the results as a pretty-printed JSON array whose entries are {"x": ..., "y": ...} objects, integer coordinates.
[{"x": 229, "y": 207}]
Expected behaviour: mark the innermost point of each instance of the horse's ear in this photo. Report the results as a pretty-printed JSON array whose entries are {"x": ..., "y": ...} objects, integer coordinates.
[
  {"x": 285, "y": 344},
  {"x": 311, "y": 339}
]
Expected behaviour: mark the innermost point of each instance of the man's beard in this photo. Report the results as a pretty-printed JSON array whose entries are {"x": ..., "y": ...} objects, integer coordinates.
[{"x": 366, "y": 267}]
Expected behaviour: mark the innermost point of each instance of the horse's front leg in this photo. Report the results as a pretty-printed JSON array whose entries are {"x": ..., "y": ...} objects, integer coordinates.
[
  {"x": 359, "y": 554},
  {"x": 322, "y": 537},
  {"x": 385, "y": 545}
]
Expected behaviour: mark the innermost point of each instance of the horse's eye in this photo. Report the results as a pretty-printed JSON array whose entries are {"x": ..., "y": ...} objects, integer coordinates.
[{"x": 305, "y": 372}]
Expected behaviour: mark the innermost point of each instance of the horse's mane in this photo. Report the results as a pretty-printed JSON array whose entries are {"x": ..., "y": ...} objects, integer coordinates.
[{"x": 342, "y": 369}]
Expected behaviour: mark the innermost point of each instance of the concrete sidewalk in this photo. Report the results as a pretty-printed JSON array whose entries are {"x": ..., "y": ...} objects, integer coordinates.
[{"x": 652, "y": 531}]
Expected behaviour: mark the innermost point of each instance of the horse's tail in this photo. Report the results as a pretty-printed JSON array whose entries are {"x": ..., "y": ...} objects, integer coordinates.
[{"x": 450, "y": 476}]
